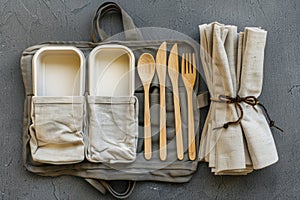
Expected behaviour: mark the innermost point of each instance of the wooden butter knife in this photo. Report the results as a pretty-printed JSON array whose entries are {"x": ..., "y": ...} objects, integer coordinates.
[
  {"x": 173, "y": 74},
  {"x": 161, "y": 70}
]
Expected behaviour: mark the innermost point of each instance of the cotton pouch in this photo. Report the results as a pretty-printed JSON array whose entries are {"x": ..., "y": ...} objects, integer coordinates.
[
  {"x": 57, "y": 129},
  {"x": 112, "y": 129}
]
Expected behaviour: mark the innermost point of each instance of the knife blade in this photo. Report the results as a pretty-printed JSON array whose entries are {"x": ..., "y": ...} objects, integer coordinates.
[
  {"x": 173, "y": 71},
  {"x": 161, "y": 70}
]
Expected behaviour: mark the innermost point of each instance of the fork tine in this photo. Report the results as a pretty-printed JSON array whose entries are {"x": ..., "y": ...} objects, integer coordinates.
[
  {"x": 190, "y": 64},
  {"x": 194, "y": 63},
  {"x": 182, "y": 64},
  {"x": 185, "y": 65}
]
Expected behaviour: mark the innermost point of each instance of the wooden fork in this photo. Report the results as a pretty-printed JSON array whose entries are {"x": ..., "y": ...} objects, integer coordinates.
[{"x": 188, "y": 71}]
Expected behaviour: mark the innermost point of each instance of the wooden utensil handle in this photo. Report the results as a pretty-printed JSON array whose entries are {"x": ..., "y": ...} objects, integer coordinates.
[
  {"x": 147, "y": 126},
  {"x": 179, "y": 141},
  {"x": 191, "y": 132},
  {"x": 163, "y": 131}
]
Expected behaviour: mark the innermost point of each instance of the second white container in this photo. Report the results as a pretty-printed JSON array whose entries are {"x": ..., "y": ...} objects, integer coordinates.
[{"x": 111, "y": 71}]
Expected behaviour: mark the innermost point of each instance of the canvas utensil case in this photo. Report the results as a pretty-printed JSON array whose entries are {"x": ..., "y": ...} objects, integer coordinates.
[{"x": 83, "y": 110}]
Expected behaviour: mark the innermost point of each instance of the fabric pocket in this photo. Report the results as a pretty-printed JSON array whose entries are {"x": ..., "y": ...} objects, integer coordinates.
[
  {"x": 57, "y": 129},
  {"x": 112, "y": 129}
]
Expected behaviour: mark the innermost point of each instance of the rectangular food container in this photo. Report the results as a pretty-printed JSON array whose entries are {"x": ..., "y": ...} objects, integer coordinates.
[
  {"x": 58, "y": 71},
  {"x": 56, "y": 136},
  {"x": 112, "y": 108},
  {"x": 111, "y": 71}
]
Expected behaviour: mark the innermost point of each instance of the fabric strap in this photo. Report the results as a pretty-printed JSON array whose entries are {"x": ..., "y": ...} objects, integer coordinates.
[
  {"x": 104, "y": 186},
  {"x": 130, "y": 30}
]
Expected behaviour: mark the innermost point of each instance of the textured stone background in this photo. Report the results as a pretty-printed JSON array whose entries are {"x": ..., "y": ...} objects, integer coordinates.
[{"x": 25, "y": 23}]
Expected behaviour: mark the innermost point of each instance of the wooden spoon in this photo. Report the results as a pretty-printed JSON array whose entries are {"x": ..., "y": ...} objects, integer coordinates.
[{"x": 146, "y": 70}]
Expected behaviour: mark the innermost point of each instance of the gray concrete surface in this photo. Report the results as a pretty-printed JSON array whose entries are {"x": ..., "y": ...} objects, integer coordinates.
[{"x": 25, "y": 23}]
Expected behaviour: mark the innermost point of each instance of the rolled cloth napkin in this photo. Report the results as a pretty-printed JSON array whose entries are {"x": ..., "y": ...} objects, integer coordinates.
[{"x": 231, "y": 142}]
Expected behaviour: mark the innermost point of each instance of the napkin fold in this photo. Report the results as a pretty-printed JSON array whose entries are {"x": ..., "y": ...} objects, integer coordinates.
[{"x": 236, "y": 137}]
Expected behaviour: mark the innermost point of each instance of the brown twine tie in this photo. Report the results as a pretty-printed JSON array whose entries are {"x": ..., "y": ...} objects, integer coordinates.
[{"x": 250, "y": 100}]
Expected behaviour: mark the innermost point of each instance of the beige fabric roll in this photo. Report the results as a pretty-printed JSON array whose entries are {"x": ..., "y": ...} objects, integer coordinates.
[
  {"x": 224, "y": 149},
  {"x": 260, "y": 141},
  {"x": 228, "y": 60},
  {"x": 229, "y": 144},
  {"x": 206, "y": 63}
]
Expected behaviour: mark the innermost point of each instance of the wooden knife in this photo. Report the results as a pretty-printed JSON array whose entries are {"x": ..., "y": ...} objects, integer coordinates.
[
  {"x": 161, "y": 70},
  {"x": 173, "y": 71}
]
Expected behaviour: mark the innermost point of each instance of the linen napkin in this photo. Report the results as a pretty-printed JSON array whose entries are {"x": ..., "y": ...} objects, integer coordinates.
[
  {"x": 228, "y": 58},
  {"x": 256, "y": 129}
]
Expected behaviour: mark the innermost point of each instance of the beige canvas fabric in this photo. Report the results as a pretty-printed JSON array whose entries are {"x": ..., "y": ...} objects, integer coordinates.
[
  {"x": 56, "y": 130},
  {"x": 225, "y": 55},
  {"x": 113, "y": 129},
  {"x": 259, "y": 138},
  {"x": 222, "y": 148}
]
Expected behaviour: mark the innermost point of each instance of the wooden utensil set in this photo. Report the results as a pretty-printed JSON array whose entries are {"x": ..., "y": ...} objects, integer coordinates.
[{"x": 146, "y": 70}]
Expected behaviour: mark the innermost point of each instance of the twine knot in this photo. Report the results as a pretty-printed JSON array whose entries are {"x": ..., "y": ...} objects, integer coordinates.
[{"x": 250, "y": 100}]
